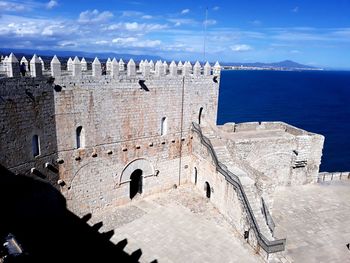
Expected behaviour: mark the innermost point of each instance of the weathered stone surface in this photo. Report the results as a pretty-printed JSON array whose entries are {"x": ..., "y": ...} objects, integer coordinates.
[
  {"x": 183, "y": 217},
  {"x": 315, "y": 219}
]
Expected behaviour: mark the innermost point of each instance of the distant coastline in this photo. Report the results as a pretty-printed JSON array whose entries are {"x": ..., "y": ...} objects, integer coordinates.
[
  {"x": 268, "y": 68},
  {"x": 286, "y": 65}
]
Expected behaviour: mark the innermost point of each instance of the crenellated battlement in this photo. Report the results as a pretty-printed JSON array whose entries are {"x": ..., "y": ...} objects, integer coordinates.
[{"x": 75, "y": 69}]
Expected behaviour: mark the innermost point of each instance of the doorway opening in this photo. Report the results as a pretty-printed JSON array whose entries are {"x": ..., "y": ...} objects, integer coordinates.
[{"x": 135, "y": 183}]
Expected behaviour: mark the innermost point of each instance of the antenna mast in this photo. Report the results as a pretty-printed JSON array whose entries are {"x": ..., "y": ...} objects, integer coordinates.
[{"x": 205, "y": 32}]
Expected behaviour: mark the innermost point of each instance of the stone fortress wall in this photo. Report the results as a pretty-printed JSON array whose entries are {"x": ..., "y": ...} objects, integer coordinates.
[
  {"x": 104, "y": 132},
  {"x": 27, "y": 109},
  {"x": 121, "y": 117}
]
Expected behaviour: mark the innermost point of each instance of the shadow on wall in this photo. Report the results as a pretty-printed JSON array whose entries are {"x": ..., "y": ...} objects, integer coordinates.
[{"x": 35, "y": 214}]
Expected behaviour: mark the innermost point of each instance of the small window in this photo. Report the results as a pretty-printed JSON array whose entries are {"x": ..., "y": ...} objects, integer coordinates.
[
  {"x": 36, "y": 145},
  {"x": 164, "y": 126},
  {"x": 195, "y": 175},
  {"x": 207, "y": 190},
  {"x": 80, "y": 138},
  {"x": 200, "y": 115}
]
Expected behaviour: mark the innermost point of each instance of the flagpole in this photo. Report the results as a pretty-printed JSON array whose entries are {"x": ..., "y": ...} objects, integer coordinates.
[{"x": 205, "y": 33}]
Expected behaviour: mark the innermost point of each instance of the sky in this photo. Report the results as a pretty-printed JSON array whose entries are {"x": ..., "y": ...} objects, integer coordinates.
[{"x": 315, "y": 33}]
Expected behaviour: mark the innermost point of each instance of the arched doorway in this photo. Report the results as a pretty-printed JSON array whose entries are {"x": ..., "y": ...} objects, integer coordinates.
[
  {"x": 200, "y": 115},
  {"x": 135, "y": 183},
  {"x": 207, "y": 189}
]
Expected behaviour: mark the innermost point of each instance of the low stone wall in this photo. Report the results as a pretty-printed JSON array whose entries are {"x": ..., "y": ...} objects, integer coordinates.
[
  {"x": 257, "y": 126},
  {"x": 335, "y": 176}
]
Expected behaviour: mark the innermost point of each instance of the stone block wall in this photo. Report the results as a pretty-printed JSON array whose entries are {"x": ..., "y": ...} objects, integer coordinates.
[
  {"x": 27, "y": 109},
  {"x": 288, "y": 156},
  {"x": 222, "y": 193},
  {"x": 122, "y": 124}
]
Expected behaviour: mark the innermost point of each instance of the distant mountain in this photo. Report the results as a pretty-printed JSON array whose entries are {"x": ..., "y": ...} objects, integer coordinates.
[
  {"x": 282, "y": 64},
  {"x": 89, "y": 56},
  {"x": 65, "y": 54}
]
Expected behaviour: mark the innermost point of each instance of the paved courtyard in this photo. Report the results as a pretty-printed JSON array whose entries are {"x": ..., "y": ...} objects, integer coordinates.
[
  {"x": 315, "y": 219},
  {"x": 177, "y": 226},
  {"x": 182, "y": 226}
]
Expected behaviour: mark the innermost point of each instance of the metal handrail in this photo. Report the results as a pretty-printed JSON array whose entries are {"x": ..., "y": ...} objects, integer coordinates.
[
  {"x": 270, "y": 246},
  {"x": 268, "y": 218}
]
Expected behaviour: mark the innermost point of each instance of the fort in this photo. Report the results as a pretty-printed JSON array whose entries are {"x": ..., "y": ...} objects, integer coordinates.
[{"x": 108, "y": 138}]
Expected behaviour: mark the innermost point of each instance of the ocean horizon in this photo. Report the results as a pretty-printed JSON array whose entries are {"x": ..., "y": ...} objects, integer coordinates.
[{"x": 316, "y": 101}]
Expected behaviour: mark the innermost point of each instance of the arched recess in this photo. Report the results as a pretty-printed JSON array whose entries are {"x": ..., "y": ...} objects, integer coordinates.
[
  {"x": 142, "y": 164},
  {"x": 200, "y": 115},
  {"x": 89, "y": 189}
]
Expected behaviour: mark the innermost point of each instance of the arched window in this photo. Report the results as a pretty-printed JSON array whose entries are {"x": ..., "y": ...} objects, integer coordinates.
[
  {"x": 36, "y": 145},
  {"x": 207, "y": 189},
  {"x": 80, "y": 138},
  {"x": 163, "y": 126},
  {"x": 200, "y": 115}
]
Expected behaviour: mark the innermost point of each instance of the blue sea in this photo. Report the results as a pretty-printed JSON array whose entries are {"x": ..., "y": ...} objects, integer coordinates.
[{"x": 317, "y": 101}]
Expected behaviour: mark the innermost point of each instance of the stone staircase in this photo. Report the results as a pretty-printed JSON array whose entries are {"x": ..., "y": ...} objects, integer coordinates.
[{"x": 249, "y": 187}]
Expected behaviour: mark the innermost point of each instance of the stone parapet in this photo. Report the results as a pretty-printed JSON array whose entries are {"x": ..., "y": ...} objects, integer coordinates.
[
  {"x": 333, "y": 176},
  {"x": 79, "y": 69}
]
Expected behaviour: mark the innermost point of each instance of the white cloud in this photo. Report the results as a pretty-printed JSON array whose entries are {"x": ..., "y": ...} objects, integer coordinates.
[
  {"x": 216, "y": 8},
  {"x": 295, "y": 51},
  {"x": 135, "y": 42},
  {"x": 134, "y": 26},
  {"x": 12, "y": 7},
  {"x": 256, "y": 22},
  {"x": 123, "y": 41},
  {"x": 101, "y": 42},
  {"x": 94, "y": 16},
  {"x": 295, "y": 9},
  {"x": 67, "y": 44},
  {"x": 183, "y": 21},
  {"x": 147, "y": 17},
  {"x": 185, "y": 11},
  {"x": 210, "y": 22},
  {"x": 131, "y": 13},
  {"x": 147, "y": 43},
  {"x": 297, "y": 36},
  {"x": 48, "y": 31},
  {"x": 51, "y": 4},
  {"x": 241, "y": 48}
]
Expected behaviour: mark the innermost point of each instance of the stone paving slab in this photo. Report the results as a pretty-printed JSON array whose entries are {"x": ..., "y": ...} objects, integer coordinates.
[
  {"x": 179, "y": 226},
  {"x": 315, "y": 219}
]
